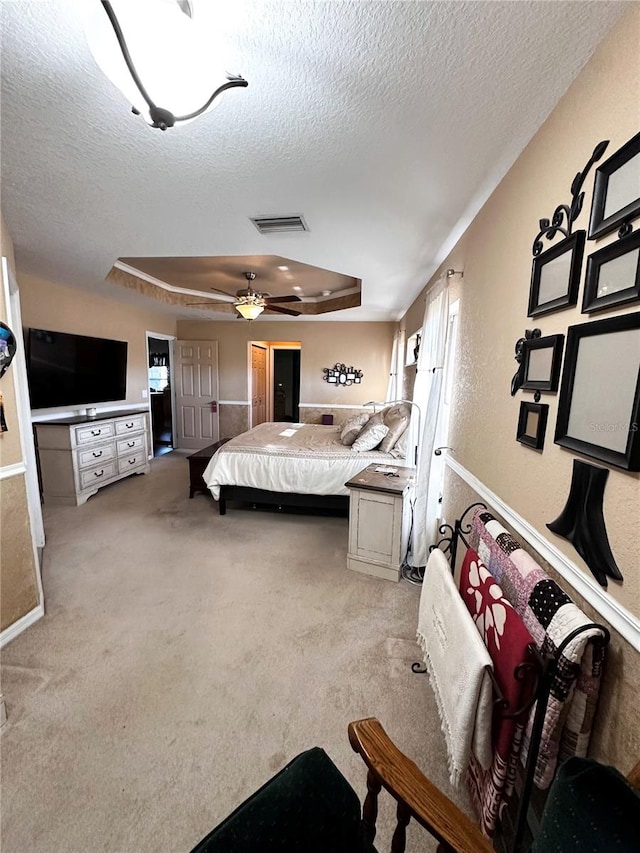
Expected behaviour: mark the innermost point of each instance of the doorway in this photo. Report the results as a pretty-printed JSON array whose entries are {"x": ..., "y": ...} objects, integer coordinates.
[
  {"x": 161, "y": 406},
  {"x": 286, "y": 384},
  {"x": 274, "y": 381}
]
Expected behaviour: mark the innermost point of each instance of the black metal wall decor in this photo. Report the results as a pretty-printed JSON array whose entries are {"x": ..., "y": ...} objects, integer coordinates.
[
  {"x": 599, "y": 404},
  {"x": 342, "y": 375},
  {"x": 613, "y": 275},
  {"x": 541, "y": 362},
  {"x": 518, "y": 376},
  {"x": 557, "y": 224},
  {"x": 616, "y": 199},
  {"x": 555, "y": 276},
  {"x": 532, "y": 424},
  {"x": 581, "y": 522}
]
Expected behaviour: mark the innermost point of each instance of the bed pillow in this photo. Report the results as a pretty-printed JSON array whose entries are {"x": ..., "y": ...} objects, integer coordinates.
[
  {"x": 352, "y": 427},
  {"x": 370, "y": 437},
  {"x": 399, "y": 449},
  {"x": 397, "y": 419}
]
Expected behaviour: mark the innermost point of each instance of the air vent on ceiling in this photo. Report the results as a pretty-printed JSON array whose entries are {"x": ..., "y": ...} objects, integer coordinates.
[{"x": 279, "y": 224}]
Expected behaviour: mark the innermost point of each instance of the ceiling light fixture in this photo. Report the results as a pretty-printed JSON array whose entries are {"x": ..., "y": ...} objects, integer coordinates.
[
  {"x": 249, "y": 307},
  {"x": 170, "y": 53}
]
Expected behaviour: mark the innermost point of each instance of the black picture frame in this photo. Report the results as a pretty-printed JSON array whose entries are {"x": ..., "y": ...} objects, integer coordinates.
[
  {"x": 532, "y": 435},
  {"x": 541, "y": 363},
  {"x": 568, "y": 294},
  {"x": 602, "y": 220},
  {"x": 599, "y": 404},
  {"x": 625, "y": 275}
]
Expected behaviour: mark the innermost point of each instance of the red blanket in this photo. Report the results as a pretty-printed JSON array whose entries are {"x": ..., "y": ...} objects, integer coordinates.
[{"x": 507, "y": 641}]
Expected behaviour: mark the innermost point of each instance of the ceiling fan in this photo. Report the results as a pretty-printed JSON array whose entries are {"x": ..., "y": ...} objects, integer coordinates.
[{"x": 250, "y": 303}]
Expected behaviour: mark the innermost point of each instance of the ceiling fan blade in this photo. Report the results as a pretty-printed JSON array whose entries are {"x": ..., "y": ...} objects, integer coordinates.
[
  {"x": 271, "y": 299},
  {"x": 275, "y": 308},
  {"x": 224, "y": 293}
]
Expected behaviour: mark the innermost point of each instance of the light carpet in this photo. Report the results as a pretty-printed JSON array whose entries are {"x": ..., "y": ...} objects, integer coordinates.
[{"x": 186, "y": 657}]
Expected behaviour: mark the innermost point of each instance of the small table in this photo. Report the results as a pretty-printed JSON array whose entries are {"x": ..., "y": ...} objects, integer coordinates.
[
  {"x": 379, "y": 520},
  {"x": 198, "y": 461}
]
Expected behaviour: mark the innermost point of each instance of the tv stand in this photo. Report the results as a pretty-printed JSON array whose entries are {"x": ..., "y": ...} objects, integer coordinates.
[{"x": 80, "y": 455}]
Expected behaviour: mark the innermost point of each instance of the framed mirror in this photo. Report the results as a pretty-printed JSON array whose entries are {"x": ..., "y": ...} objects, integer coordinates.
[
  {"x": 599, "y": 405},
  {"x": 555, "y": 276},
  {"x": 613, "y": 275},
  {"x": 616, "y": 192}
]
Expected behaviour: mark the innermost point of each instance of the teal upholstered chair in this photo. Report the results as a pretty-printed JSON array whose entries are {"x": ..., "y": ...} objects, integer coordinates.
[{"x": 310, "y": 807}]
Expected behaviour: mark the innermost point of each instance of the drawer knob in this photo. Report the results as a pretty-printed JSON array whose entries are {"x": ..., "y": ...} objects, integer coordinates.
[
  {"x": 131, "y": 444},
  {"x": 98, "y": 473},
  {"x": 96, "y": 432},
  {"x": 98, "y": 454},
  {"x": 132, "y": 461},
  {"x": 129, "y": 426}
]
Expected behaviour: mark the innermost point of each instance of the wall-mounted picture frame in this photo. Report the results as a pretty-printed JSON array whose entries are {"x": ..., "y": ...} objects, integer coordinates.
[
  {"x": 541, "y": 363},
  {"x": 613, "y": 275},
  {"x": 599, "y": 404},
  {"x": 555, "y": 276},
  {"x": 532, "y": 424},
  {"x": 616, "y": 191},
  {"x": 342, "y": 375}
]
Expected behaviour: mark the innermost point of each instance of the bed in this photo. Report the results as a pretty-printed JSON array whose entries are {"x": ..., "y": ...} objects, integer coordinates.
[{"x": 288, "y": 464}]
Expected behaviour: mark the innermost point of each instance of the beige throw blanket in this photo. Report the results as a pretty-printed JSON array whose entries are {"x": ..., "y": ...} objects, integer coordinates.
[{"x": 457, "y": 662}]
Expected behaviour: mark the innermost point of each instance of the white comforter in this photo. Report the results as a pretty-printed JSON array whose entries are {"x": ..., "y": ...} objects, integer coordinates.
[{"x": 306, "y": 459}]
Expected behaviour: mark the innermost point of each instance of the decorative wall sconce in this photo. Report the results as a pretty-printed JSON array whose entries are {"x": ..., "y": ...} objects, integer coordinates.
[{"x": 342, "y": 375}]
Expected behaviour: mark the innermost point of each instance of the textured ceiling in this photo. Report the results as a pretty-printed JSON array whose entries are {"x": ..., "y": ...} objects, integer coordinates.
[{"x": 386, "y": 124}]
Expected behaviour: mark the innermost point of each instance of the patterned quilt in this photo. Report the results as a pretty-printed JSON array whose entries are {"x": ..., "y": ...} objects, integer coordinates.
[
  {"x": 550, "y": 617},
  {"x": 507, "y": 641}
]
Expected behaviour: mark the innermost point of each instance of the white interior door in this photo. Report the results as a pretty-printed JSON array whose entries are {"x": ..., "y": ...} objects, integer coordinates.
[
  {"x": 258, "y": 384},
  {"x": 196, "y": 386}
]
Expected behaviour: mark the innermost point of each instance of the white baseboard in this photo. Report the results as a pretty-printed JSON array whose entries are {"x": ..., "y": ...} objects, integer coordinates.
[
  {"x": 21, "y": 625},
  {"x": 620, "y": 619}
]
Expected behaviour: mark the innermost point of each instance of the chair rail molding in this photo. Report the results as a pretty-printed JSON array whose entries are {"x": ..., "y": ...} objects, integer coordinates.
[
  {"x": 620, "y": 619},
  {"x": 21, "y": 624}
]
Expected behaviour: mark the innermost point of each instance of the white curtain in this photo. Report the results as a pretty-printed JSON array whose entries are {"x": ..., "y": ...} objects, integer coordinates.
[
  {"x": 395, "y": 388},
  {"x": 427, "y": 394}
]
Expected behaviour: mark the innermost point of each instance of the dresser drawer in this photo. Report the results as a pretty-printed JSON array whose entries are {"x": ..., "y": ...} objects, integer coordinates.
[
  {"x": 131, "y": 462},
  {"x": 93, "y": 456},
  {"x": 130, "y": 445},
  {"x": 89, "y": 434},
  {"x": 129, "y": 425},
  {"x": 97, "y": 475}
]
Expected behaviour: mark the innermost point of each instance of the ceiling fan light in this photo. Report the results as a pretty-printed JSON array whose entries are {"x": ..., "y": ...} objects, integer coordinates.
[
  {"x": 169, "y": 53},
  {"x": 249, "y": 310}
]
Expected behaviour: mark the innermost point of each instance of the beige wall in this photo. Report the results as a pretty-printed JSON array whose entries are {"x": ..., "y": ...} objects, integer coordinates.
[
  {"x": 366, "y": 346},
  {"x": 53, "y": 306},
  {"x": 495, "y": 253},
  {"x": 18, "y": 583}
]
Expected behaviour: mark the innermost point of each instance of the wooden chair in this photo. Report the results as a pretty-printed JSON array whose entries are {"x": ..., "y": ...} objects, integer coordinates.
[
  {"x": 310, "y": 806},
  {"x": 420, "y": 799}
]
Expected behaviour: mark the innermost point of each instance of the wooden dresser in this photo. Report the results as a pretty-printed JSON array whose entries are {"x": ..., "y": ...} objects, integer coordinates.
[{"x": 79, "y": 455}]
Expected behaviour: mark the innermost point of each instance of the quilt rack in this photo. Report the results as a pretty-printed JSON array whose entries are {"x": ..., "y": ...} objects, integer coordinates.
[{"x": 513, "y": 834}]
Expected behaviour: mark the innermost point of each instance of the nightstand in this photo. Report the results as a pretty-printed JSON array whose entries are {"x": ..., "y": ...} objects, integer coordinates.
[{"x": 379, "y": 520}]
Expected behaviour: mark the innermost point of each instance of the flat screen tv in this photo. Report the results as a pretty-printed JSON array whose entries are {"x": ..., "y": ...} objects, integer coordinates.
[{"x": 66, "y": 370}]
